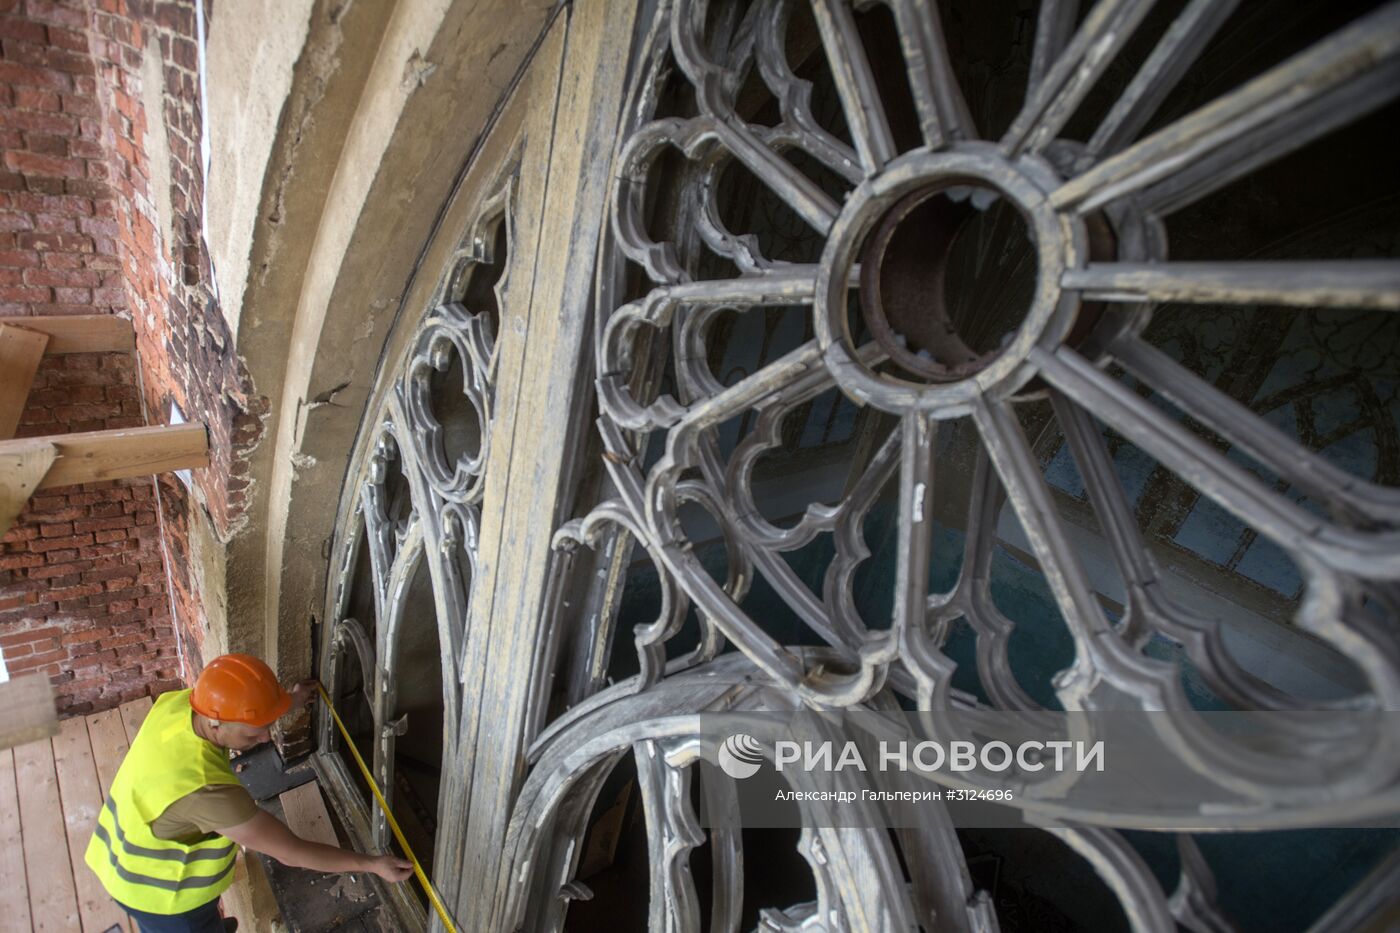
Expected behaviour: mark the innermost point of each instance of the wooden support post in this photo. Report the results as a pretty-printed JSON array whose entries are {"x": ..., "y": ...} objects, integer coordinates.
[
  {"x": 20, "y": 352},
  {"x": 82, "y": 333},
  {"x": 22, "y": 468},
  {"x": 29, "y": 712},
  {"x": 101, "y": 455},
  {"x": 67, "y": 459}
]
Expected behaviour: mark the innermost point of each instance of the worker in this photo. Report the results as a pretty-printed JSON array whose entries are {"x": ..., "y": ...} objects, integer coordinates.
[{"x": 166, "y": 837}]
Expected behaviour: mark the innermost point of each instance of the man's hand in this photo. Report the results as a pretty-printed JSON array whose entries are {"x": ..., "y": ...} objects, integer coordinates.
[
  {"x": 303, "y": 693},
  {"x": 266, "y": 834},
  {"x": 391, "y": 867}
]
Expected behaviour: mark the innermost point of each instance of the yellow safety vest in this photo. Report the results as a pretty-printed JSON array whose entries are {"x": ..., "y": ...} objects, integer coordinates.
[{"x": 166, "y": 761}]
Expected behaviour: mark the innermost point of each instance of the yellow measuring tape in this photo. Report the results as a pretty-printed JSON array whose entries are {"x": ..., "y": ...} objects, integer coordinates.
[{"x": 393, "y": 823}]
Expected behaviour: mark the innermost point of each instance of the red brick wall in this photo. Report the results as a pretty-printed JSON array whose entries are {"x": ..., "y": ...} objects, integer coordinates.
[
  {"x": 84, "y": 593},
  {"x": 186, "y": 349},
  {"x": 58, "y": 250},
  {"x": 82, "y": 583},
  {"x": 85, "y": 598}
]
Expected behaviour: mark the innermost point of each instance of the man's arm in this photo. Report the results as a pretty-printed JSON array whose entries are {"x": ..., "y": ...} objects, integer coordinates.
[{"x": 266, "y": 834}]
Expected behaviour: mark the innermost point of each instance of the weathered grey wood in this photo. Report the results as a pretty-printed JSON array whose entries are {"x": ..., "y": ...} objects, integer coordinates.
[
  {"x": 14, "y": 884},
  {"x": 855, "y": 83},
  {"x": 591, "y": 86},
  {"x": 1053, "y": 27},
  {"x": 21, "y": 350},
  {"x": 1124, "y": 871},
  {"x": 53, "y": 899},
  {"x": 529, "y": 121},
  {"x": 22, "y": 470},
  {"x": 1184, "y": 40},
  {"x": 1360, "y": 283},
  {"x": 502, "y": 182},
  {"x": 133, "y": 714},
  {"x": 29, "y": 711},
  {"x": 1236, "y": 489},
  {"x": 1266, "y": 443},
  {"x": 1052, "y": 99},
  {"x": 943, "y": 113},
  {"x": 83, "y": 333},
  {"x": 78, "y": 788},
  {"x": 1193, "y": 903},
  {"x": 109, "y": 744},
  {"x": 575, "y": 163},
  {"x": 1364, "y": 51}
]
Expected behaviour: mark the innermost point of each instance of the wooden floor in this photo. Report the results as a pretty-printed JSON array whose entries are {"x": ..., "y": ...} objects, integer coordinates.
[{"x": 50, "y": 792}]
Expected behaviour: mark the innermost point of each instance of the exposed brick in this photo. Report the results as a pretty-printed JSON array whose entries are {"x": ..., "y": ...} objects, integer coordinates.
[
  {"x": 53, "y": 123},
  {"x": 14, "y": 639},
  {"x": 58, "y": 572},
  {"x": 74, "y": 40},
  {"x": 24, "y": 293},
  {"x": 55, "y": 223},
  {"x": 36, "y": 660},
  {"x": 56, "y": 13},
  {"x": 19, "y": 259},
  {"x": 34, "y": 76},
  {"x": 89, "y": 635},
  {"x": 82, "y": 236},
  {"x": 14, "y": 27},
  {"x": 71, "y": 541},
  {"x": 97, "y": 659},
  {"x": 69, "y": 61},
  {"x": 33, "y": 98}
]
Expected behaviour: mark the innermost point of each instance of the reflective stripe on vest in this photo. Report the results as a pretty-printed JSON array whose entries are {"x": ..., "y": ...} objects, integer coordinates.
[
  {"x": 167, "y": 761},
  {"x": 182, "y": 854}
]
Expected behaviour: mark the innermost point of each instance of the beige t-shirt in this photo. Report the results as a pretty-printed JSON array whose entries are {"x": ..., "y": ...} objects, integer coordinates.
[{"x": 197, "y": 815}]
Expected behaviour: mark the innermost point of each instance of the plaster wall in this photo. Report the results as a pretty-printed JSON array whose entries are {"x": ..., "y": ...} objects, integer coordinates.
[
  {"x": 374, "y": 133},
  {"x": 249, "y": 74}
]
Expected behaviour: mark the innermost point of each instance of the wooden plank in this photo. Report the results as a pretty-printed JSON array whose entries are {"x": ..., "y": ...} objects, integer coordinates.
[
  {"x": 545, "y": 393},
  {"x": 133, "y": 714},
  {"x": 107, "y": 736},
  {"x": 20, "y": 353},
  {"x": 306, "y": 815},
  {"x": 467, "y": 870},
  {"x": 22, "y": 469},
  {"x": 78, "y": 790},
  {"x": 100, "y": 455},
  {"x": 109, "y": 745},
  {"x": 82, "y": 333},
  {"x": 14, "y": 887},
  {"x": 53, "y": 900},
  {"x": 29, "y": 712},
  {"x": 250, "y": 900}
]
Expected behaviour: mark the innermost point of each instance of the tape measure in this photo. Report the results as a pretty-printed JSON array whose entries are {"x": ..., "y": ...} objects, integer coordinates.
[{"x": 393, "y": 823}]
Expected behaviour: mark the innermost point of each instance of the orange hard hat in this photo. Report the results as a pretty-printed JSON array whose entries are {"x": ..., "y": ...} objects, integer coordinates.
[{"x": 239, "y": 688}]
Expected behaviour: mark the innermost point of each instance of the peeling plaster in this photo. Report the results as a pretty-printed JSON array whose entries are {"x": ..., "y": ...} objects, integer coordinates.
[
  {"x": 249, "y": 78},
  {"x": 417, "y": 70}
]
